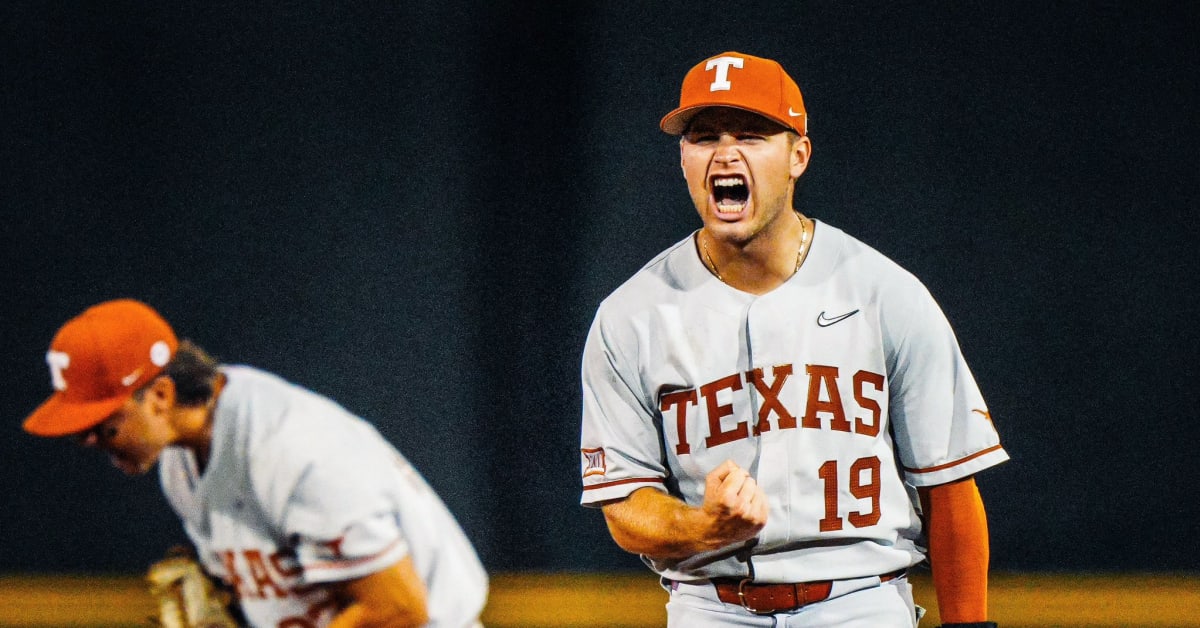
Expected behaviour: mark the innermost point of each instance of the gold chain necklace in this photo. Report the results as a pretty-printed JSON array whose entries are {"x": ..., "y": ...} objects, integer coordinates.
[{"x": 799, "y": 251}]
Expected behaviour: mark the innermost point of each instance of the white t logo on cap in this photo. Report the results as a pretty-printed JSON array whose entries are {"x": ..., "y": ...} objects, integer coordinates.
[
  {"x": 58, "y": 362},
  {"x": 721, "y": 80}
]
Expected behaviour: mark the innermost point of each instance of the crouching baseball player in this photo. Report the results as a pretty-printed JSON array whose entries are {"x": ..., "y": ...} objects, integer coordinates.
[
  {"x": 776, "y": 417},
  {"x": 302, "y": 509}
]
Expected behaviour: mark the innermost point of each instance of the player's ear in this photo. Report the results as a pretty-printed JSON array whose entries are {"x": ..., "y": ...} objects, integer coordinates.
[
  {"x": 681, "y": 167},
  {"x": 160, "y": 393},
  {"x": 800, "y": 153}
]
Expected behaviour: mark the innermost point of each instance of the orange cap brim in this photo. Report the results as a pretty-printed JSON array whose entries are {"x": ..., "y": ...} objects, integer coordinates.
[
  {"x": 58, "y": 417},
  {"x": 676, "y": 122}
]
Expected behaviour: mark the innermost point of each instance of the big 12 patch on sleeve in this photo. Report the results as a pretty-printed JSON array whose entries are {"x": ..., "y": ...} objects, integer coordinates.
[{"x": 593, "y": 461}]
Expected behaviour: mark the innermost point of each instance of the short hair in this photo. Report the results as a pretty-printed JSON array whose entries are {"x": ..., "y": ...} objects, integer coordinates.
[{"x": 194, "y": 372}]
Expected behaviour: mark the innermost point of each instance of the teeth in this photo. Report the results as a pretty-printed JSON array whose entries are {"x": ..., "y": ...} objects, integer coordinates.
[{"x": 729, "y": 192}]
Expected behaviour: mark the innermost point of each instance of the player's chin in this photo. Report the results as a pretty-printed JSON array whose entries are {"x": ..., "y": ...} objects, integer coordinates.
[
  {"x": 733, "y": 227},
  {"x": 130, "y": 465}
]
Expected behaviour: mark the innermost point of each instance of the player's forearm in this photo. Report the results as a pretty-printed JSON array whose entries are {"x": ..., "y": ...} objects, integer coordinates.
[
  {"x": 361, "y": 616},
  {"x": 393, "y": 596},
  {"x": 956, "y": 526},
  {"x": 655, "y": 524}
]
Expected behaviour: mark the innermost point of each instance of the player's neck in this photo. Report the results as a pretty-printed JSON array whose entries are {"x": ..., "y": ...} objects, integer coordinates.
[
  {"x": 762, "y": 263},
  {"x": 195, "y": 425}
]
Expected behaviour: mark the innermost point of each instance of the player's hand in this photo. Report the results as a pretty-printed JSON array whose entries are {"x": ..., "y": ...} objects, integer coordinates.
[
  {"x": 736, "y": 505},
  {"x": 187, "y": 596}
]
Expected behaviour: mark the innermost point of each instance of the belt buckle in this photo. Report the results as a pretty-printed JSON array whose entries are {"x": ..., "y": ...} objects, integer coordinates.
[{"x": 741, "y": 590}]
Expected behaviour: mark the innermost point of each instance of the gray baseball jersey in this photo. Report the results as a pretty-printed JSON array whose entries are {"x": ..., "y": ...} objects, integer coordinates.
[
  {"x": 840, "y": 392},
  {"x": 299, "y": 493}
]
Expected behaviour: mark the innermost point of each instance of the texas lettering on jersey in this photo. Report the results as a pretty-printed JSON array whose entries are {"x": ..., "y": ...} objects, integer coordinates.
[
  {"x": 255, "y": 575},
  {"x": 824, "y": 407}
]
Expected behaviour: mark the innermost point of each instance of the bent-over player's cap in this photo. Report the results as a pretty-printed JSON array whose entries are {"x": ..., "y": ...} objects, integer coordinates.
[
  {"x": 733, "y": 79},
  {"x": 97, "y": 361}
]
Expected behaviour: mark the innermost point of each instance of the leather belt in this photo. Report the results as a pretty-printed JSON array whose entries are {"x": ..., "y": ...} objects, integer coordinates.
[{"x": 768, "y": 598}]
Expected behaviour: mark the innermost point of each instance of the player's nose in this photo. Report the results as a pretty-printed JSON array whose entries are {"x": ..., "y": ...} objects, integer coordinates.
[{"x": 726, "y": 150}]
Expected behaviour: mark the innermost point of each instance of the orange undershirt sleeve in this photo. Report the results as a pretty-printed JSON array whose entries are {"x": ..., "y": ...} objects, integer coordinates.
[{"x": 956, "y": 527}]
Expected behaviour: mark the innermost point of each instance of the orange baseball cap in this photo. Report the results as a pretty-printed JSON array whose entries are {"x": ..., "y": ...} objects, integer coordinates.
[
  {"x": 97, "y": 361},
  {"x": 733, "y": 79}
]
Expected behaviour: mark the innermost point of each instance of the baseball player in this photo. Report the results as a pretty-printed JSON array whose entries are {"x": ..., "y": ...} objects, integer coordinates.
[
  {"x": 300, "y": 507},
  {"x": 776, "y": 417}
]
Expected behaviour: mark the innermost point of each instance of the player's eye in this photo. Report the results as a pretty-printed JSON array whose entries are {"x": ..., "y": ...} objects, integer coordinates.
[{"x": 103, "y": 433}]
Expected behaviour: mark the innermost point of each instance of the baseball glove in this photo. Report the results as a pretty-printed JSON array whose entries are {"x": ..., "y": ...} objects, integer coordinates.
[{"x": 187, "y": 597}]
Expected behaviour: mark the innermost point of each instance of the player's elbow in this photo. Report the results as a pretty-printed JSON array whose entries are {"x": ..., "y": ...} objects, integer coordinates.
[
  {"x": 636, "y": 531},
  {"x": 619, "y": 518},
  {"x": 625, "y": 539}
]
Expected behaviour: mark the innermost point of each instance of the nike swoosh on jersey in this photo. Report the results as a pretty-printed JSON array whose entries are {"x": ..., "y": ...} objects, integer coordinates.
[{"x": 826, "y": 321}]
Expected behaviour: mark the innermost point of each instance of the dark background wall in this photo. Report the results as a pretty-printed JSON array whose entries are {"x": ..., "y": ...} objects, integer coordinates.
[{"x": 416, "y": 207}]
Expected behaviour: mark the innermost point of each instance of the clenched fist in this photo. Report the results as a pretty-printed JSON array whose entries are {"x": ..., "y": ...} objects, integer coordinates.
[{"x": 735, "y": 503}]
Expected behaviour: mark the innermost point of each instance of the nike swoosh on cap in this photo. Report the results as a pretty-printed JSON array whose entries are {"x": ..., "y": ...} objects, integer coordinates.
[
  {"x": 794, "y": 114},
  {"x": 129, "y": 379}
]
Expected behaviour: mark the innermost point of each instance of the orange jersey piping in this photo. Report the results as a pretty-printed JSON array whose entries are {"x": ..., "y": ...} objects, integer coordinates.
[
  {"x": 619, "y": 482},
  {"x": 955, "y": 463}
]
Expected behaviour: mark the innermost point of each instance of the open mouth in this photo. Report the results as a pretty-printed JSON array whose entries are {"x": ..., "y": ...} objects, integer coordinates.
[{"x": 730, "y": 193}]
